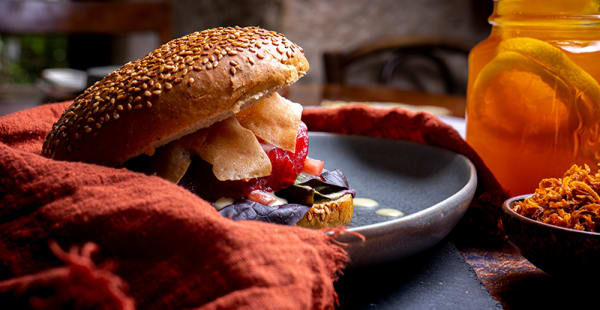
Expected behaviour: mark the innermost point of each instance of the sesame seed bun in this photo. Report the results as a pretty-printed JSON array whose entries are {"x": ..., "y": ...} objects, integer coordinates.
[
  {"x": 329, "y": 213},
  {"x": 184, "y": 85}
]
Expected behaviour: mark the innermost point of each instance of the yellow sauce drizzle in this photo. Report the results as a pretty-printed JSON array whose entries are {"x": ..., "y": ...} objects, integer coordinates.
[
  {"x": 365, "y": 202},
  {"x": 222, "y": 203},
  {"x": 390, "y": 212}
]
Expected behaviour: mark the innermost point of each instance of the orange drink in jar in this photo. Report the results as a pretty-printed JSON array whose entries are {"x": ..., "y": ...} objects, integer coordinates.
[{"x": 533, "y": 99}]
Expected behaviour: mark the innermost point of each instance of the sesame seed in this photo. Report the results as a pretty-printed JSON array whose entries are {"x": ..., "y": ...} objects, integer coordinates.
[{"x": 135, "y": 83}]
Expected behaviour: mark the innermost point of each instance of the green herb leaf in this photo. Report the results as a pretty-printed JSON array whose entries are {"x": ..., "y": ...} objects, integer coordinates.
[{"x": 310, "y": 189}]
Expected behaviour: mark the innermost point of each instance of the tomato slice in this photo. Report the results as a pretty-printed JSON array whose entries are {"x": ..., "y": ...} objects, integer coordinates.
[
  {"x": 313, "y": 166},
  {"x": 263, "y": 197}
]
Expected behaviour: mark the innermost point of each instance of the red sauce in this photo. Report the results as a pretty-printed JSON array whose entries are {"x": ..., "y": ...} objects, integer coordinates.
[{"x": 285, "y": 168}]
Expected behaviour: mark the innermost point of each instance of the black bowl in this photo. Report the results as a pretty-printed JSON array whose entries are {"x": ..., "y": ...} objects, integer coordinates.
[{"x": 559, "y": 251}]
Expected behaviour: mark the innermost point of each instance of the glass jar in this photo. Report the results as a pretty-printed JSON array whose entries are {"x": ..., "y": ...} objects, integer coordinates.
[{"x": 533, "y": 99}]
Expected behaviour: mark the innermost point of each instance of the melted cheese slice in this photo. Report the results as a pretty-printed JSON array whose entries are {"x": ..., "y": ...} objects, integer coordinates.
[
  {"x": 232, "y": 150},
  {"x": 273, "y": 119}
]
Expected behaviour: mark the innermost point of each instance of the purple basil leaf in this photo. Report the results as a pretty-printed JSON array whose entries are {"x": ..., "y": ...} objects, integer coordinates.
[
  {"x": 286, "y": 214},
  {"x": 335, "y": 178}
]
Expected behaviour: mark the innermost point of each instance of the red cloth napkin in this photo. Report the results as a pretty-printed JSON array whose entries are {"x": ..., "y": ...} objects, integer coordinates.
[
  {"x": 171, "y": 249},
  {"x": 84, "y": 236}
]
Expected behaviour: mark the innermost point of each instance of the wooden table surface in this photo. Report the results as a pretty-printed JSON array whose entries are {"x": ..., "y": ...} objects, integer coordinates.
[{"x": 314, "y": 94}]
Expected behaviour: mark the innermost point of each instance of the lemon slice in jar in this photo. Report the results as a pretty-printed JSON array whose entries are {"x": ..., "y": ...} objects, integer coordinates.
[{"x": 531, "y": 77}]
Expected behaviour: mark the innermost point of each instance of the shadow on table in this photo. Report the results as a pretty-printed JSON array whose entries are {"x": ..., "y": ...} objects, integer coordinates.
[
  {"x": 518, "y": 284},
  {"x": 536, "y": 290},
  {"x": 436, "y": 279}
]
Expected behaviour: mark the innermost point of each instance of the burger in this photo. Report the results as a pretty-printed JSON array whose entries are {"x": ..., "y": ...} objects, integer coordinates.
[{"x": 203, "y": 111}]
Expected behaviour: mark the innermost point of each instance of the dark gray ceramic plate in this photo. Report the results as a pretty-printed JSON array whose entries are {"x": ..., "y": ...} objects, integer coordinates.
[{"x": 433, "y": 187}]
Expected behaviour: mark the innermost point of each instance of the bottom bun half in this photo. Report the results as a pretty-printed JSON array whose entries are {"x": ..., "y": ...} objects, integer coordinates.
[{"x": 329, "y": 213}]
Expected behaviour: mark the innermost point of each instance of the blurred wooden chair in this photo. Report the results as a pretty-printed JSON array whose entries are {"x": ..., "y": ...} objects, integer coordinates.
[
  {"x": 19, "y": 17},
  {"x": 400, "y": 51}
]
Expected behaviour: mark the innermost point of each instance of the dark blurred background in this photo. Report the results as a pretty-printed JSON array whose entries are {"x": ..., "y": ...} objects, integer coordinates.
[{"x": 404, "y": 44}]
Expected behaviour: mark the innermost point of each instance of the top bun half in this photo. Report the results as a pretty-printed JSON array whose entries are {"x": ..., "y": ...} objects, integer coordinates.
[{"x": 185, "y": 85}]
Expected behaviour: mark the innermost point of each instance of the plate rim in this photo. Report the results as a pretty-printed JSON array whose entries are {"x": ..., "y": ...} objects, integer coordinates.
[{"x": 381, "y": 228}]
